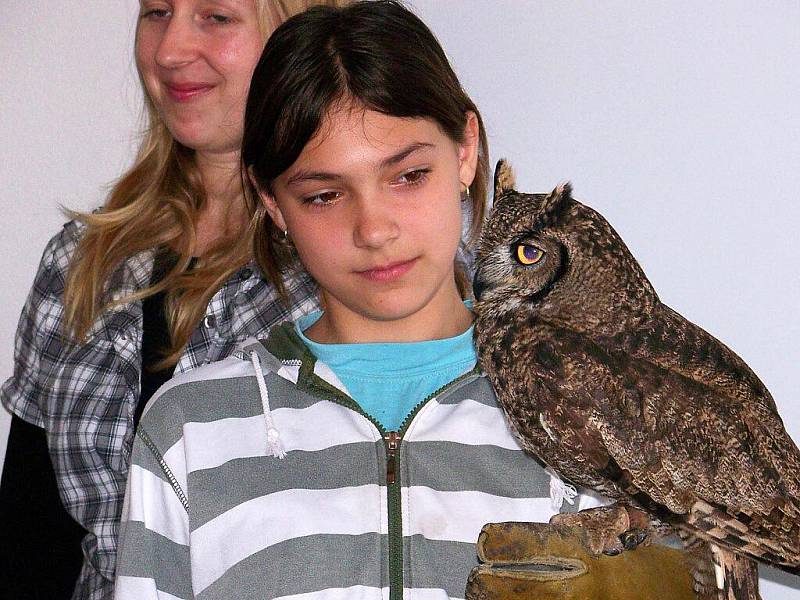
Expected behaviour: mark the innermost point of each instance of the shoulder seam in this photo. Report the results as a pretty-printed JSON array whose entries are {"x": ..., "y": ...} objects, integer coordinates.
[
  {"x": 176, "y": 487},
  {"x": 190, "y": 378}
]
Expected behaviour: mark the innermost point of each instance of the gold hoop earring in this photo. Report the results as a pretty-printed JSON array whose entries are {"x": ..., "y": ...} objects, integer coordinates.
[
  {"x": 280, "y": 236},
  {"x": 465, "y": 195}
]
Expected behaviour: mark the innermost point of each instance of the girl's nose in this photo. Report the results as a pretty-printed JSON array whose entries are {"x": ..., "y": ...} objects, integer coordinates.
[
  {"x": 179, "y": 44},
  {"x": 375, "y": 225}
]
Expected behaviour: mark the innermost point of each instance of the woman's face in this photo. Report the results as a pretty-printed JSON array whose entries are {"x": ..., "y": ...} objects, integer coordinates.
[{"x": 195, "y": 58}]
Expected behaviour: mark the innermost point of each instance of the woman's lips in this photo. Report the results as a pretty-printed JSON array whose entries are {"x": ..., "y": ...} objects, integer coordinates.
[
  {"x": 390, "y": 272},
  {"x": 187, "y": 91}
]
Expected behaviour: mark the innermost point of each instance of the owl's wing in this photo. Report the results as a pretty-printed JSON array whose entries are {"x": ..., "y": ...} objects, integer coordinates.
[
  {"x": 667, "y": 339},
  {"x": 719, "y": 463},
  {"x": 751, "y": 485}
]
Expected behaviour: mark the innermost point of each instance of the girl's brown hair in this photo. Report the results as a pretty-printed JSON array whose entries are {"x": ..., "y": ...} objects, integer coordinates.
[
  {"x": 376, "y": 54},
  {"x": 156, "y": 204}
]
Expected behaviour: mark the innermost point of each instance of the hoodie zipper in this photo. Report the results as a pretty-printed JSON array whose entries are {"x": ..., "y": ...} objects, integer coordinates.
[
  {"x": 392, "y": 439},
  {"x": 395, "y": 506},
  {"x": 392, "y": 442}
]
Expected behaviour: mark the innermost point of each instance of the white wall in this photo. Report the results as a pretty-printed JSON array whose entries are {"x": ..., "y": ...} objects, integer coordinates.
[
  {"x": 679, "y": 121},
  {"x": 69, "y": 108}
]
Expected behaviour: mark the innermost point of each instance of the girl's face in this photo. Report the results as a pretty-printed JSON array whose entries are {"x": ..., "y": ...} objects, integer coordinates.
[
  {"x": 195, "y": 58},
  {"x": 372, "y": 205}
]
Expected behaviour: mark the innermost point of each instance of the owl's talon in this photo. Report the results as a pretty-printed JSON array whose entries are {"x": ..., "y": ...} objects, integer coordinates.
[{"x": 609, "y": 530}]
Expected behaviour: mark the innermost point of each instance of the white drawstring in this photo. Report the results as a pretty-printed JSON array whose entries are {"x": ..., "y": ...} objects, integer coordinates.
[
  {"x": 274, "y": 445},
  {"x": 560, "y": 491}
]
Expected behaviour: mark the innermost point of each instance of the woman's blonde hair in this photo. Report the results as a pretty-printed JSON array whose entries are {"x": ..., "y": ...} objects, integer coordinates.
[{"x": 156, "y": 204}]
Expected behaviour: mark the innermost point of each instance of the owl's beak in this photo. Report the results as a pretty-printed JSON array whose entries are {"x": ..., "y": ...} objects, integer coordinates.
[{"x": 477, "y": 286}]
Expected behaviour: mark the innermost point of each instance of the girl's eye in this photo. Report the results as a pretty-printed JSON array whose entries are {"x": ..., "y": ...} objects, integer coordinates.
[
  {"x": 322, "y": 199},
  {"x": 413, "y": 177},
  {"x": 528, "y": 254}
]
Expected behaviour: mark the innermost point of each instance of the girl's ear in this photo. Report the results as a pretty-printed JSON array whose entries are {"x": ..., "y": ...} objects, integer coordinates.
[
  {"x": 468, "y": 150},
  {"x": 269, "y": 202}
]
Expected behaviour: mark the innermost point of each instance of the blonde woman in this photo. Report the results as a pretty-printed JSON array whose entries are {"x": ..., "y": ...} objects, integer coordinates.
[{"x": 157, "y": 281}]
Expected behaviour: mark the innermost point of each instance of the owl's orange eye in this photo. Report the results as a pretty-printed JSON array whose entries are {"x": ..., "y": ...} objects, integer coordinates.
[{"x": 529, "y": 255}]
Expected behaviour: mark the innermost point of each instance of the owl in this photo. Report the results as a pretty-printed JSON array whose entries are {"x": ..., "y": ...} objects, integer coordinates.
[{"x": 619, "y": 393}]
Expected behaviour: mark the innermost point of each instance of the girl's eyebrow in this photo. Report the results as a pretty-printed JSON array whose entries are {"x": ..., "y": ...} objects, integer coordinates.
[
  {"x": 302, "y": 176},
  {"x": 404, "y": 153}
]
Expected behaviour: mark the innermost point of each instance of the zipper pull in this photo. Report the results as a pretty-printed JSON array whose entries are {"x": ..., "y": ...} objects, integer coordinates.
[{"x": 392, "y": 440}]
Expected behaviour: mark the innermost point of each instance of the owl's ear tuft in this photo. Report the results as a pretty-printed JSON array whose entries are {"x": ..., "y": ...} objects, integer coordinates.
[
  {"x": 557, "y": 201},
  {"x": 503, "y": 178},
  {"x": 564, "y": 190}
]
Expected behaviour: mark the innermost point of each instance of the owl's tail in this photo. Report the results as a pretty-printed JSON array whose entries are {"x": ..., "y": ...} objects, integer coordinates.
[
  {"x": 756, "y": 537},
  {"x": 737, "y": 577}
]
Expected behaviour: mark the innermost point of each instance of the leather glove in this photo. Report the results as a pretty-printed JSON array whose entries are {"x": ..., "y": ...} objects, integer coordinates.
[{"x": 540, "y": 561}]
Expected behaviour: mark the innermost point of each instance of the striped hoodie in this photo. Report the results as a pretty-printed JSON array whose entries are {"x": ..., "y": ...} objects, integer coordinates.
[{"x": 258, "y": 477}]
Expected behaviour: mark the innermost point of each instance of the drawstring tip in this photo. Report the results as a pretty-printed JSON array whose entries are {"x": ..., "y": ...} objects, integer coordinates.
[
  {"x": 560, "y": 491},
  {"x": 274, "y": 445},
  {"x": 276, "y": 450}
]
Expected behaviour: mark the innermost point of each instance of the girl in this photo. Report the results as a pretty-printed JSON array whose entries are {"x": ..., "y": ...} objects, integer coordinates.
[
  {"x": 357, "y": 452},
  {"x": 116, "y": 306}
]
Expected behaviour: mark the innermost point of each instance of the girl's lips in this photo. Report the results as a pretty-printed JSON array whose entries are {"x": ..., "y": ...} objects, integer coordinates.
[
  {"x": 186, "y": 92},
  {"x": 390, "y": 272}
]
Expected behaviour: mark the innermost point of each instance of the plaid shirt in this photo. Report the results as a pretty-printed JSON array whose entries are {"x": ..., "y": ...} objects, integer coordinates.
[{"x": 85, "y": 395}]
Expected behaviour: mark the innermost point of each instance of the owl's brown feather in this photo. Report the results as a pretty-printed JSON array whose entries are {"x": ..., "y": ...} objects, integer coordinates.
[{"x": 620, "y": 393}]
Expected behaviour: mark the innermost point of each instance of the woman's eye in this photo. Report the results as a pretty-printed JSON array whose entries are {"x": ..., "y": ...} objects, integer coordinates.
[
  {"x": 413, "y": 177},
  {"x": 322, "y": 199},
  {"x": 528, "y": 254},
  {"x": 155, "y": 14},
  {"x": 219, "y": 19}
]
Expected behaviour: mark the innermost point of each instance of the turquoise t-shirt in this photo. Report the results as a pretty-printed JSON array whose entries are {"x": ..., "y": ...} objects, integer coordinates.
[{"x": 388, "y": 380}]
